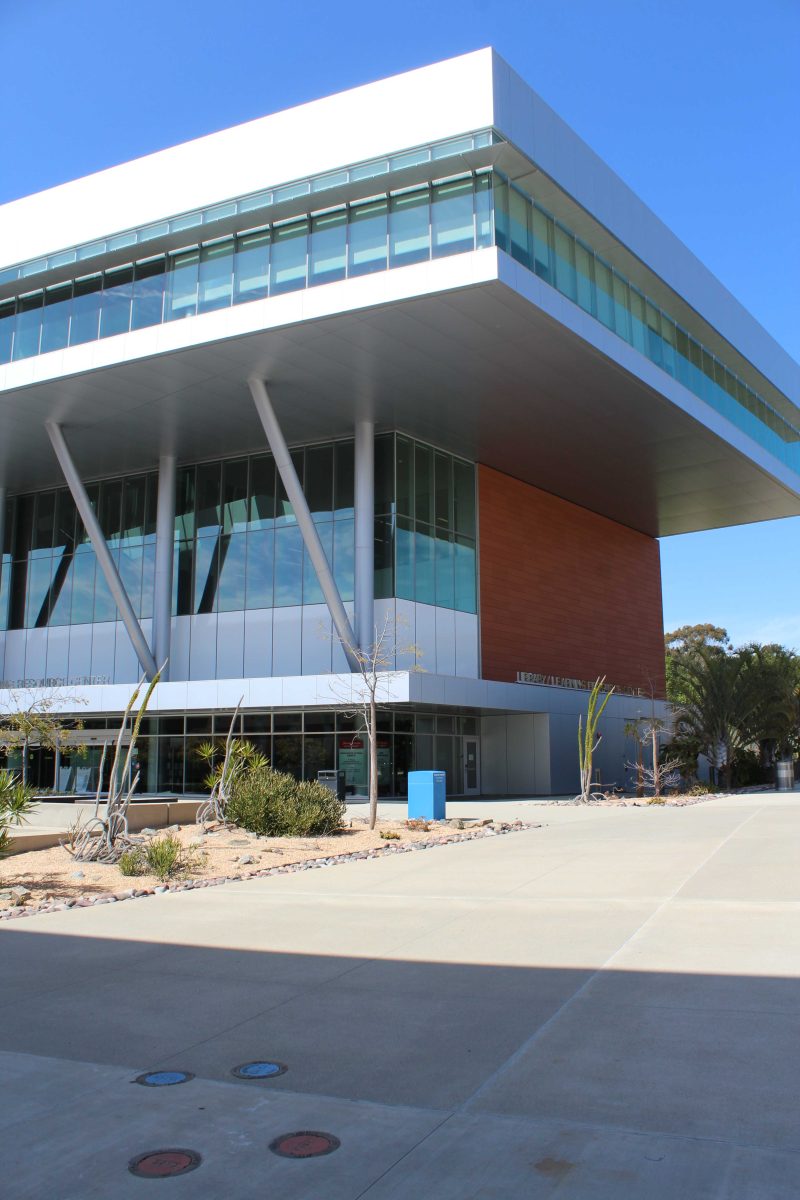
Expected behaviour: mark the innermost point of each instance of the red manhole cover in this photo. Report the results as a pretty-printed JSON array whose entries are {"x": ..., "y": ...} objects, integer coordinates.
[
  {"x": 306, "y": 1143},
  {"x": 159, "y": 1164}
]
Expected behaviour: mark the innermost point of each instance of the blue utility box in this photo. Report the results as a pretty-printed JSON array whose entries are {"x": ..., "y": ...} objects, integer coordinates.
[{"x": 427, "y": 795}]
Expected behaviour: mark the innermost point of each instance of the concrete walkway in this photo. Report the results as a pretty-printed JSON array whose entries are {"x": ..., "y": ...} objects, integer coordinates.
[{"x": 606, "y": 1008}]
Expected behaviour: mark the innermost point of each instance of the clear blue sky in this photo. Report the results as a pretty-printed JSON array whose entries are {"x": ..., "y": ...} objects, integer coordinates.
[{"x": 695, "y": 103}]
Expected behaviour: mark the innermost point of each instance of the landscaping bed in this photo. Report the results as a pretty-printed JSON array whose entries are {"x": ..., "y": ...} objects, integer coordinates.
[{"x": 54, "y": 881}]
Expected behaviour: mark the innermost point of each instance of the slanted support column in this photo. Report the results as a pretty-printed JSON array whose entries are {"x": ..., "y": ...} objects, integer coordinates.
[
  {"x": 3, "y": 498},
  {"x": 100, "y": 547},
  {"x": 365, "y": 533},
  {"x": 308, "y": 530},
  {"x": 165, "y": 536}
]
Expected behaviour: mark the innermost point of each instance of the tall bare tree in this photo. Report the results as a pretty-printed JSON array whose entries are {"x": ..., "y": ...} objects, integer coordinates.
[
  {"x": 370, "y": 689},
  {"x": 34, "y": 717}
]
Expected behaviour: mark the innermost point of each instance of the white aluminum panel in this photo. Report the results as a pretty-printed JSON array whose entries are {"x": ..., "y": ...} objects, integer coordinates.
[
  {"x": 104, "y": 637},
  {"x": 287, "y": 633},
  {"x": 445, "y": 641},
  {"x": 179, "y": 648},
  {"x": 127, "y": 668},
  {"x": 317, "y": 647},
  {"x": 494, "y": 773},
  {"x": 258, "y": 642},
  {"x": 425, "y": 636},
  {"x": 230, "y": 645},
  {"x": 80, "y": 650},
  {"x": 467, "y": 657},
  {"x": 519, "y": 751},
  {"x": 36, "y": 654},
  {"x": 58, "y": 652},
  {"x": 203, "y": 646},
  {"x": 338, "y": 660},
  {"x": 378, "y": 118}
]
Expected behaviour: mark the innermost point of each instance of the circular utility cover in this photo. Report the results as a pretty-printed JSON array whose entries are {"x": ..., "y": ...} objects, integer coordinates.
[
  {"x": 259, "y": 1070},
  {"x": 163, "y": 1078},
  {"x": 305, "y": 1143},
  {"x": 160, "y": 1164}
]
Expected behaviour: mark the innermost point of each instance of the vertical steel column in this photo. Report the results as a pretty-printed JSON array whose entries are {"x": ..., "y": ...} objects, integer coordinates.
[
  {"x": 365, "y": 533},
  {"x": 100, "y": 547},
  {"x": 162, "y": 587},
  {"x": 308, "y": 530},
  {"x": 3, "y": 498}
]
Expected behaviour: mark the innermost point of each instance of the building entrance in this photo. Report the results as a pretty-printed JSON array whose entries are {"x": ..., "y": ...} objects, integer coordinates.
[{"x": 471, "y": 753}]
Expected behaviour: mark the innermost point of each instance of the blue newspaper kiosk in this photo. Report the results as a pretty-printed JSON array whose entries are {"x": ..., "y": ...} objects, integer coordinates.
[{"x": 427, "y": 795}]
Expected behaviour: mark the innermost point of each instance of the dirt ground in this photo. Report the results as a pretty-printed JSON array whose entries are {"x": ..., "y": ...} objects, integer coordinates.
[{"x": 53, "y": 873}]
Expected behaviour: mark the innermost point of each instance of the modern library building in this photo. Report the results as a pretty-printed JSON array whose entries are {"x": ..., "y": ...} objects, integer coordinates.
[{"x": 408, "y": 358}]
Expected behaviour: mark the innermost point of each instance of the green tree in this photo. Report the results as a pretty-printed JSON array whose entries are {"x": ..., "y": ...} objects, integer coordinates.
[{"x": 718, "y": 707}]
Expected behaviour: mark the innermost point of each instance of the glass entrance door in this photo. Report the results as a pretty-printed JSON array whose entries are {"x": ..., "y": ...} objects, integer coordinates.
[{"x": 472, "y": 765}]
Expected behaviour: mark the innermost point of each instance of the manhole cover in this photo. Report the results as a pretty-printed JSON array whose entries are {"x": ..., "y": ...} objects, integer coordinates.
[
  {"x": 259, "y": 1070},
  {"x": 306, "y": 1143},
  {"x": 163, "y": 1078},
  {"x": 159, "y": 1164}
]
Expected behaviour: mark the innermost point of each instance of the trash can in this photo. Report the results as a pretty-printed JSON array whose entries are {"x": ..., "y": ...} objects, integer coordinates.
[
  {"x": 427, "y": 795},
  {"x": 784, "y": 775},
  {"x": 334, "y": 781}
]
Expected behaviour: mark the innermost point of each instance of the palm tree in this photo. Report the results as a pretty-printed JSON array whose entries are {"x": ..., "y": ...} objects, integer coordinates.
[{"x": 721, "y": 696}]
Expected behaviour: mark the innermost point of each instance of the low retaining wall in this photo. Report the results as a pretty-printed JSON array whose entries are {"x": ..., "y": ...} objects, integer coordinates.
[{"x": 155, "y": 815}]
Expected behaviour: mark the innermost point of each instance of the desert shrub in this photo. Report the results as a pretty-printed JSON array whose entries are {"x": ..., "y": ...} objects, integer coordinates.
[
  {"x": 390, "y": 835},
  {"x": 130, "y": 862},
  {"x": 699, "y": 789},
  {"x": 274, "y": 804},
  {"x": 16, "y": 803},
  {"x": 162, "y": 857}
]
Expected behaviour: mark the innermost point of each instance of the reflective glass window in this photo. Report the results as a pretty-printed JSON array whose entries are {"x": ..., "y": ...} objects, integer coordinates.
[
  {"x": 115, "y": 313},
  {"x": 423, "y": 484},
  {"x": 288, "y": 566},
  {"x": 208, "y": 499},
  {"x": 452, "y": 219},
  {"x": 409, "y": 228},
  {"x": 206, "y": 573},
  {"x": 404, "y": 559},
  {"x": 215, "y": 278},
  {"x": 483, "y": 212},
  {"x": 445, "y": 563},
  {"x": 55, "y": 318},
  {"x": 443, "y": 474},
  {"x": 653, "y": 317},
  {"x": 182, "y": 286},
  {"x": 43, "y": 524},
  {"x": 328, "y": 254},
  {"x": 425, "y": 565},
  {"x": 384, "y": 473},
  {"x": 312, "y": 592},
  {"x": 584, "y": 277},
  {"x": 251, "y": 267},
  {"x": 28, "y": 325},
  {"x": 85, "y": 320},
  {"x": 343, "y": 556},
  {"x": 232, "y": 569},
  {"x": 404, "y": 474},
  {"x": 148, "y": 293},
  {"x": 668, "y": 344},
  {"x": 465, "y": 573},
  {"x": 234, "y": 496},
  {"x": 605, "y": 297},
  {"x": 284, "y": 513},
  {"x": 518, "y": 216},
  {"x": 343, "y": 479},
  {"x": 368, "y": 238},
  {"x": 543, "y": 229},
  {"x": 7, "y": 319},
  {"x": 260, "y": 550},
  {"x": 262, "y": 491},
  {"x": 384, "y": 558},
  {"x": 566, "y": 279},
  {"x": 464, "y": 497},
  {"x": 104, "y": 607},
  {"x": 289, "y": 255},
  {"x": 638, "y": 321},
  {"x": 622, "y": 307},
  {"x": 500, "y": 197},
  {"x": 319, "y": 482}
]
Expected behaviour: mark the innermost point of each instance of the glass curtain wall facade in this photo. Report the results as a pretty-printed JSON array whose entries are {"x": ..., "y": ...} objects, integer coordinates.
[
  {"x": 237, "y": 543},
  {"x": 467, "y": 212}
]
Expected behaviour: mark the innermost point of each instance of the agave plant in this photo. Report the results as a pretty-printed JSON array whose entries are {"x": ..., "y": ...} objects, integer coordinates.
[{"x": 16, "y": 803}]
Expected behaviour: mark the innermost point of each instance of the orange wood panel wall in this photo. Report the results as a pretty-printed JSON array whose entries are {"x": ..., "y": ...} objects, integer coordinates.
[{"x": 565, "y": 591}]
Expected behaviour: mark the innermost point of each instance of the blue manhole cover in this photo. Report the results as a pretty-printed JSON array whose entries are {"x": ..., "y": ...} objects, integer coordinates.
[
  {"x": 259, "y": 1070},
  {"x": 163, "y": 1078}
]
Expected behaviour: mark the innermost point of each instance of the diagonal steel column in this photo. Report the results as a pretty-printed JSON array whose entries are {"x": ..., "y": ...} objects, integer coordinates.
[
  {"x": 100, "y": 547},
  {"x": 308, "y": 529}
]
